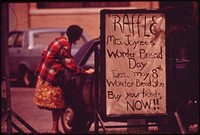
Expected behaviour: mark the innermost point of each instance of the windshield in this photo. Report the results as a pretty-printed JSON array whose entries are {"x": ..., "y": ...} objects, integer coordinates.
[{"x": 43, "y": 39}]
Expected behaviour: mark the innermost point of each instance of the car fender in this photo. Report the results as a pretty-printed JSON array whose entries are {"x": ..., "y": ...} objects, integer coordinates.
[{"x": 23, "y": 66}]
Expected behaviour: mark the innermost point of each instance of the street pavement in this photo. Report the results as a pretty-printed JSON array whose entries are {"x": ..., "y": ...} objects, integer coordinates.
[{"x": 38, "y": 119}]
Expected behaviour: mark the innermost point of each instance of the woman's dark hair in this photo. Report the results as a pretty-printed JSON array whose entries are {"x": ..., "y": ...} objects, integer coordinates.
[{"x": 74, "y": 32}]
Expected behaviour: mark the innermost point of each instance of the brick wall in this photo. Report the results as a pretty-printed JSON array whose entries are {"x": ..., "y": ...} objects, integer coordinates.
[
  {"x": 26, "y": 15},
  {"x": 18, "y": 16},
  {"x": 89, "y": 23}
]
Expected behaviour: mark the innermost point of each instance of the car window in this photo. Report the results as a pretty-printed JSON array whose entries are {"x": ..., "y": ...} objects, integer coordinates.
[
  {"x": 11, "y": 39},
  {"x": 43, "y": 39},
  {"x": 84, "y": 53},
  {"x": 90, "y": 56},
  {"x": 90, "y": 60},
  {"x": 77, "y": 45},
  {"x": 18, "y": 42},
  {"x": 79, "y": 42},
  {"x": 15, "y": 39}
]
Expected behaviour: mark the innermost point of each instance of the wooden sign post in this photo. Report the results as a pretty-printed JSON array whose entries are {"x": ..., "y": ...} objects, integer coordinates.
[{"x": 133, "y": 62}]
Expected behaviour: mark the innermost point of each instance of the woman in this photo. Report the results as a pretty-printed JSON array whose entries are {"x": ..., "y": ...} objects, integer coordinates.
[{"x": 56, "y": 58}]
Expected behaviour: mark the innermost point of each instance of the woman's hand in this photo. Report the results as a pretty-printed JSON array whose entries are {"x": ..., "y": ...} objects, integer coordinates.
[{"x": 90, "y": 71}]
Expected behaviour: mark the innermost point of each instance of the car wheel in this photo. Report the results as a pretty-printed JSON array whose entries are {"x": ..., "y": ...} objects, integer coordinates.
[
  {"x": 67, "y": 120},
  {"x": 26, "y": 77}
]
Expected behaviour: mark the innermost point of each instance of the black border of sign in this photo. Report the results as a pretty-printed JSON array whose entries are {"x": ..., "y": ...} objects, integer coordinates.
[{"x": 124, "y": 117}]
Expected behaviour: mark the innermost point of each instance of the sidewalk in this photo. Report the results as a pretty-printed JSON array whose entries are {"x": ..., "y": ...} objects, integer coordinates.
[{"x": 38, "y": 119}]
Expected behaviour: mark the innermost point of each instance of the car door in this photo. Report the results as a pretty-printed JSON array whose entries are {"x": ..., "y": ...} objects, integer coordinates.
[{"x": 17, "y": 51}]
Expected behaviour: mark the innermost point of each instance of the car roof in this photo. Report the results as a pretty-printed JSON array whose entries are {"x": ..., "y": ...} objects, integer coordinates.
[
  {"x": 33, "y": 30},
  {"x": 28, "y": 29},
  {"x": 40, "y": 29}
]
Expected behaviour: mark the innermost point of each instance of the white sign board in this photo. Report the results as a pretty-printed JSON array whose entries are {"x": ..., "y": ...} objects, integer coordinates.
[{"x": 134, "y": 51}]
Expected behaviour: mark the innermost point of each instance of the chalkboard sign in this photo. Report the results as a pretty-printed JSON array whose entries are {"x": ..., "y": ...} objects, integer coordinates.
[{"x": 133, "y": 62}]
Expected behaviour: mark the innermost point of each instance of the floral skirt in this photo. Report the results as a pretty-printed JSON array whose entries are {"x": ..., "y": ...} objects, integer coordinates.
[{"x": 47, "y": 96}]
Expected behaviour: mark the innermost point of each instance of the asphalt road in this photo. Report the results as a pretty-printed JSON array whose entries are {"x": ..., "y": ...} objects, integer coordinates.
[
  {"x": 22, "y": 104},
  {"x": 38, "y": 119}
]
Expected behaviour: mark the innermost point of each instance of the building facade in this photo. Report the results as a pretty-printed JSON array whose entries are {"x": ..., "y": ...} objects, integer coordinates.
[{"x": 61, "y": 15}]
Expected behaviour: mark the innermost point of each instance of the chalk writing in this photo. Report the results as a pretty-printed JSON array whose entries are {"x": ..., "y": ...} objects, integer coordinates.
[
  {"x": 127, "y": 23},
  {"x": 120, "y": 54},
  {"x": 154, "y": 55},
  {"x": 135, "y": 63},
  {"x": 119, "y": 83},
  {"x": 116, "y": 74},
  {"x": 111, "y": 95},
  {"x": 140, "y": 74},
  {"x": 139, "y": 104},
  {"x": 127, "y": 41}
]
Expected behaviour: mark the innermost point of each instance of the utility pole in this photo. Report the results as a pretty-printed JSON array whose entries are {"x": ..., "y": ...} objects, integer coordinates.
[{"x": 4, "y": 46}]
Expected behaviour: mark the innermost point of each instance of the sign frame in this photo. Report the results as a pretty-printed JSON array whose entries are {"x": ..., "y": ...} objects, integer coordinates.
[{"x": 103, "y": 99}]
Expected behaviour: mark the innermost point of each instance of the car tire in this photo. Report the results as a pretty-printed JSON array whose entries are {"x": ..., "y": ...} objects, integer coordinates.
[
  {"x": 26, "y": 77},
  {"x": 67, "y": 120},
  {"x": 72, "y": 123}
]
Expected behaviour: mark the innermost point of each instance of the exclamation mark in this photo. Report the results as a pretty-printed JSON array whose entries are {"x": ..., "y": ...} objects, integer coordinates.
[{"x": 155, "y": 101}]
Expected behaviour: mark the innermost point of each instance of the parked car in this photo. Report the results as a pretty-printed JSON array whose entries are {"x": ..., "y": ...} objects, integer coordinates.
[
  {"x": 81, "y": 97},
  {"x": 79, "y": 112},
  {"x": 25, "y": 49}
]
